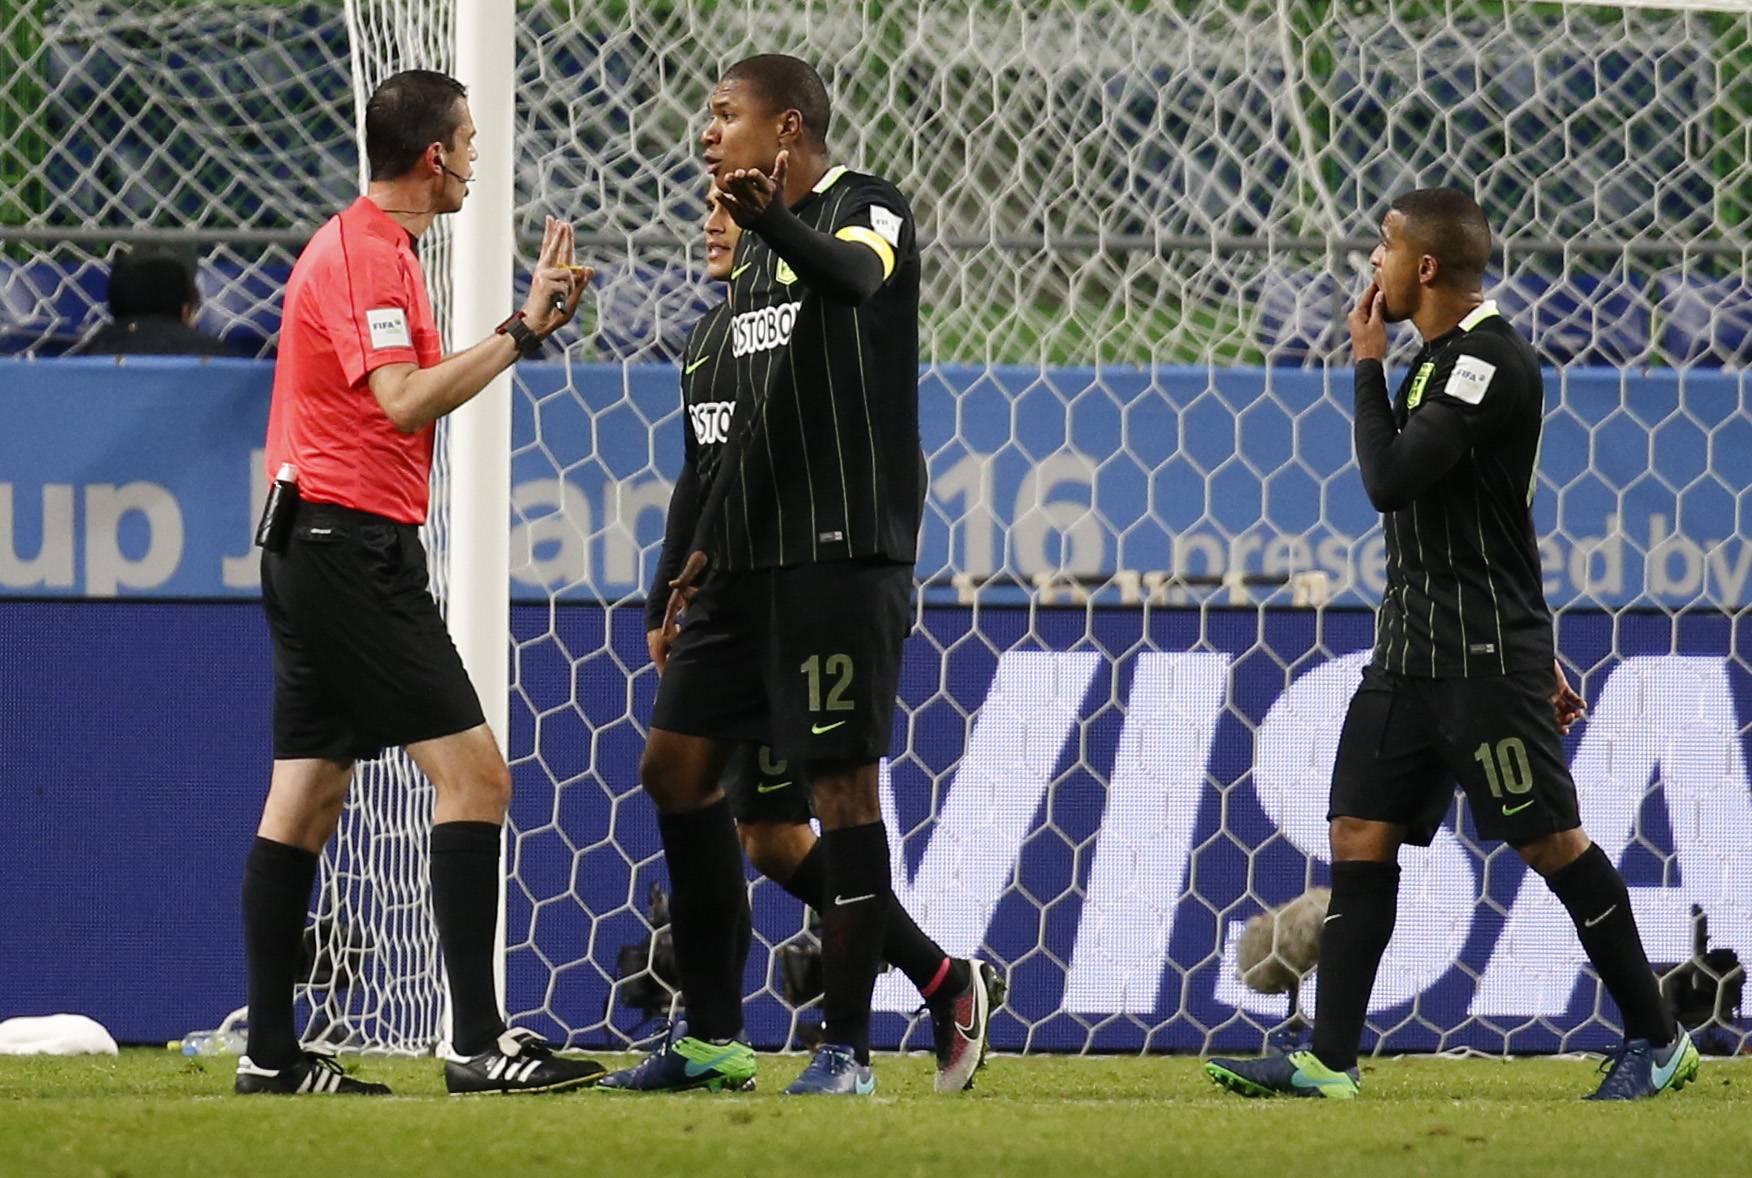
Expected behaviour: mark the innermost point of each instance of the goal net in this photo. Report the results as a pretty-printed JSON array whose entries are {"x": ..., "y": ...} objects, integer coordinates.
[{"x": 1148, "y": 565}]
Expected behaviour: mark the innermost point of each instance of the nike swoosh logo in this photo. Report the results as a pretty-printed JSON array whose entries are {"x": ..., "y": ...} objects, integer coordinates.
[
  {"x": 971, "y": 1026},
  {"x": 699, "y": 1069},
  {"x": 842, "y": 901},
  {"x": 1663, "y": 1074},
  {"x": 767, "y": 789},
  {"x": 739, "y": 270},
  {"x": 1511, "y": 811},
  {"x": 1599, "y": 918},
  {"x": 1332, "y": 918},
  {"x": 695, "y": 365},
  {"x": 818, "y": 729}
]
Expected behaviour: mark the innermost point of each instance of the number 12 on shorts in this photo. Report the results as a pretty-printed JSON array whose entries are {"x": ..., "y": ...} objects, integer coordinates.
[{"x": 835, "y": 674}]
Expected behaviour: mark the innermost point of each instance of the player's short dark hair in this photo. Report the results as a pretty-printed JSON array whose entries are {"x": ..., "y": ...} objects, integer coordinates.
[
  {"x": 151, "y": 284},
  {"x": 787, "y": 83},
  {"x": 407, "y": 113},
  {"x": 1448, "y": 225}
]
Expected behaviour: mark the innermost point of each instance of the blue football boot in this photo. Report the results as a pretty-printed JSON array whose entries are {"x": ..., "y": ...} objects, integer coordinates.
[{"x": 834, "y": 1071}]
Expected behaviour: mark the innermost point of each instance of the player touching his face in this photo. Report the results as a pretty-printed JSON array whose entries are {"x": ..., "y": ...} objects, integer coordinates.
[{"x": 770, "y": 799}]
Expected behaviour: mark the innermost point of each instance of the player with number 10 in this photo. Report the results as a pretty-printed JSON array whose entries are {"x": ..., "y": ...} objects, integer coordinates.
[{"x": 1464, "y": 684}]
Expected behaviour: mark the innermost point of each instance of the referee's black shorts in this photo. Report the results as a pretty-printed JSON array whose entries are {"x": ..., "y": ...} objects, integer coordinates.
[
  {"x": 362, "y": 660},
  {"x": 1406, "y": 741},
  {"x": 805, "y": 659}
]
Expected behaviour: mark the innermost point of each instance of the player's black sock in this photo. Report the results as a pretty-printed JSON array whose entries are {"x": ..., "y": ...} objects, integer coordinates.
[
  {"x": 708, "y": 908},
  {"x": 939, "y": 977},
  {"x": 808, "y": 880},
  {"x": 1595, "y": 895},
  {"x": 1365, "y": 900},
  {"x": 276, "y": 900},
  {"x": 465, "y": 907},
  {"x": 853, "y": 914},
  {"x": 904, "y": 943}
]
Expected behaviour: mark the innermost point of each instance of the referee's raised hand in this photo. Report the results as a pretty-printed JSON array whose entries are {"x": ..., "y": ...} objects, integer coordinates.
[{"x": 557, "y": 282}]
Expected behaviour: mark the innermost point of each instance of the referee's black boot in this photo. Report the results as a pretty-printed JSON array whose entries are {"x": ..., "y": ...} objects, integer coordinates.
[
  {"x": 315, "y": 1072},
  {"x": 518, "y": 1061}
]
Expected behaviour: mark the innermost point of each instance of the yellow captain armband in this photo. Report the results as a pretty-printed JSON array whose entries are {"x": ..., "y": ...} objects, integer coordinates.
[{"x": 871, "y": 238}]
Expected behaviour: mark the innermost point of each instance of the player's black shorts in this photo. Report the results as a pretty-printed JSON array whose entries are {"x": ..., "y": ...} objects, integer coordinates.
[
  {"x": 1407, "y": 741},
  {"x": 362, "y": 660},
  {"x": 762, "y": 788},
  {"x": 805, "y": 659}
]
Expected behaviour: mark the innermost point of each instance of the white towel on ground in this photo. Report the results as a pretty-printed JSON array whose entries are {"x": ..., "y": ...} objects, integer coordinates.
[{"x": 55, "y": 1034}]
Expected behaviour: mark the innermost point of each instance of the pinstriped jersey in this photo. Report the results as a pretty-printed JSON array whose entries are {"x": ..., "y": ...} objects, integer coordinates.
[
  {"x": 708, "y": 400},
  {"x": 708, "y": 391},
  {"x": 828, "y": 464},
  {"x": 1464, "y": 590}
]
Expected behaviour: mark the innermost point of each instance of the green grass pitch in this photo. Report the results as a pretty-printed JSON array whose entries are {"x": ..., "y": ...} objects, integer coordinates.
[{"x": 153, "y": 1113}]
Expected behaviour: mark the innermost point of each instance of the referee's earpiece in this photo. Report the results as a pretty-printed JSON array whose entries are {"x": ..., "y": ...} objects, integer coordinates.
[{"x": 445, "y": 168}]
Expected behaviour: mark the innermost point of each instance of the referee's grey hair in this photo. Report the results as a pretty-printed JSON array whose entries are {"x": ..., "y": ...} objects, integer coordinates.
[
  {"x": 788, "y": 83},
  {"x": 1451, "y": 228},
  {"x": 406, "y": 114}
]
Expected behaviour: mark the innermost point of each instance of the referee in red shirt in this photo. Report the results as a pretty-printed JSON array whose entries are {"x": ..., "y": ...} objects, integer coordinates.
[{"x": 362, "y": 660}]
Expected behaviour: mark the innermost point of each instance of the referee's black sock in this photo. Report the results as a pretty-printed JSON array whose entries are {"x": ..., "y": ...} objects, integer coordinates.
[
  {"x": 1594, "y": 894},
  {"x": 904, "y": 944},
  {"x": 854, "y": 913},
  {"x": 276, "y": 900},
  {"x": 1359, "y": 923},
  {"x": 708, "y": 913},
  {"x": 465, "y": 907}
]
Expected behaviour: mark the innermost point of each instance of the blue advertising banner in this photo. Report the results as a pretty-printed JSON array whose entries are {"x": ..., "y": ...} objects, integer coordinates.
[
  {"x": 131, "y": 479},
  {"x": 140, "y": 480},
  {"x": 1097, "y": 800}
]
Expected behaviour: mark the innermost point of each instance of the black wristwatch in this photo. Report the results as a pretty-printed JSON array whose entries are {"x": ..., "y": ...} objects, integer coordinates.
[{"x": 528, "y": 343}]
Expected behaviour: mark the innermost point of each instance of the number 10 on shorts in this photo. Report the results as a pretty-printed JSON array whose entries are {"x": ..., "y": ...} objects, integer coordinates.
[
  {"x": 1507, "y": 766},
  {"x": 836, "y": 671}
]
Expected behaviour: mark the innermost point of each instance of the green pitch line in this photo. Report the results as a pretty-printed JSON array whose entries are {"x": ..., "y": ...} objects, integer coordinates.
[{"x": 152, "y": 1113}]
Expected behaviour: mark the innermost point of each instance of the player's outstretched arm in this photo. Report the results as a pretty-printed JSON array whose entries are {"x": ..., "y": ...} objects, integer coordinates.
[
  {"x": 836, "y": 269},
  {"x": 1397, "y": 465},
  {"x": 413, "y": 397}
]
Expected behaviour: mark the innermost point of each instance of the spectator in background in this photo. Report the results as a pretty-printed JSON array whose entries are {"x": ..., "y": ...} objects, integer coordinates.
[{"x": 152, "y": 301}]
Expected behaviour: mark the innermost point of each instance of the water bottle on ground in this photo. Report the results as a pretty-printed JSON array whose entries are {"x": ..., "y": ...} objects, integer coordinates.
[
  {"x": 216, "y": 1042},
  {"x": 228, "y": 1038}
]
